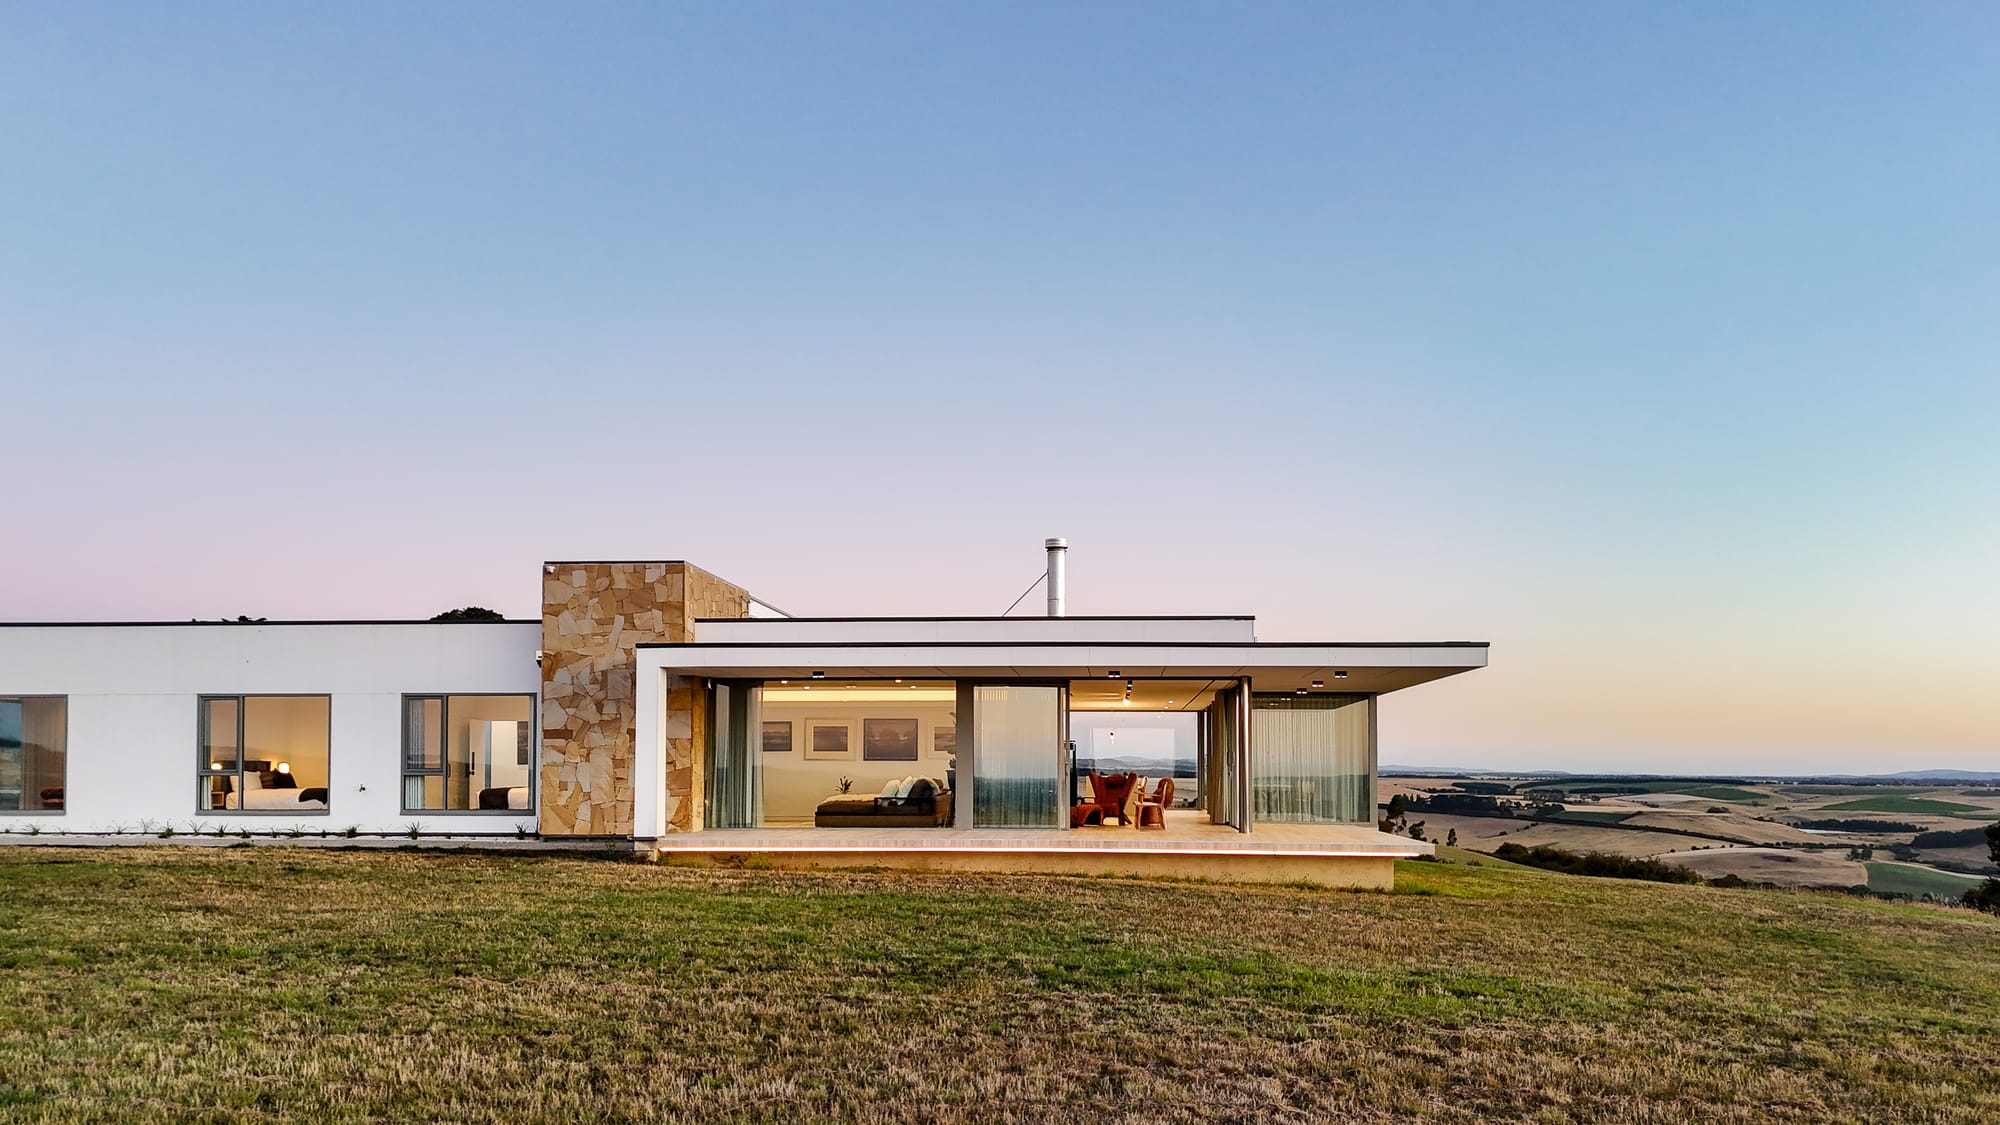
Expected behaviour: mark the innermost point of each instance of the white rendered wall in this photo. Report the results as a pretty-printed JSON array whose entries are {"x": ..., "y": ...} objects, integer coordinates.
[{"x": 132, "y": 692}]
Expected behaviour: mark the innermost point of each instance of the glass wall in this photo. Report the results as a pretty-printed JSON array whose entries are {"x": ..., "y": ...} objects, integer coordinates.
[
  {"x": 1018, "y": 755},
  {"x": 34, "y": 753},
  {"x": 264, "y": 753},
  {"x": 1310, "y": 758},
  {"x": 824, "y": 749},
  {"x": 468, "y": 753}
]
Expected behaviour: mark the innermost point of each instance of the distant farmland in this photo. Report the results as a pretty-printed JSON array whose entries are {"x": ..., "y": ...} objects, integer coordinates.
[{"x": 1920, "y": 806}]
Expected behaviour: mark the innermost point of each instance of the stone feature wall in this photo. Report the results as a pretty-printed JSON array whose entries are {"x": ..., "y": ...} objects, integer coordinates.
[{"x": 593, "y": 614}]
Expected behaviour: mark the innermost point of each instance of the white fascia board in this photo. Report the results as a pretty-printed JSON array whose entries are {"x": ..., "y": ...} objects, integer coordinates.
[
  {"x": 946, "y": 630},
  {"x": 1061, "y": 661}
]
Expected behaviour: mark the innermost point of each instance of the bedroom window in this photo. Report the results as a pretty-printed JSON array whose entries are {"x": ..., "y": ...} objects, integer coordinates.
[
  {"x": 264, "y": 753},
  {"x": 34, "y": 752},
  {"x": 468, "y": 753}
]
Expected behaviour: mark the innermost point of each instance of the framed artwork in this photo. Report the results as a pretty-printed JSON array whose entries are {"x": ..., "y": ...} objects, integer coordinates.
[
  {"x": 889, "y": 740},
  {"x": 778, "y": 736},
  {"x": 944, "y": 739},
  {"x": 830, "y": 739}
]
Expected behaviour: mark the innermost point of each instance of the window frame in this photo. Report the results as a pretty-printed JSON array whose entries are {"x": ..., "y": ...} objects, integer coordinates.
[
  {"x": 203, "y": 775},
  {"x": 24, "y": 697},
  {"x": 404, "y": 773}
]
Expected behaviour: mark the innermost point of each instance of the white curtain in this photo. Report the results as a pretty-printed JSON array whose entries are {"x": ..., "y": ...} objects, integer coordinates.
[{"x": 1310, "y": 758}]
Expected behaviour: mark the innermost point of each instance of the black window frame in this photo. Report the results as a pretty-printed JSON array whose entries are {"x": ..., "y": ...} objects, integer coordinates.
[
  {"x": 205, "y": 775},
  {"x": 444, "y": 699},
  {"x": 24, "y": 697}
]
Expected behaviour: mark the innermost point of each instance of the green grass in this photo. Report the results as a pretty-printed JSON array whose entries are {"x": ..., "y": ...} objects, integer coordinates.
[
  {"x": 1723, "y": 793},
  {"x": 1614, "y": 787},
  {"x": 272, "y": 985},
  {"x": 1918, "y": 805},
  {"x": 1901, "y": 879}
]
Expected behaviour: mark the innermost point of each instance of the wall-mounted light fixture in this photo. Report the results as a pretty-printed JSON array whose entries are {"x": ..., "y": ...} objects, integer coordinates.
[
  {"x": 1112, "y": 674},
  {"x": 1340, "y": 675},
  {"x": 1319, "y": 683},
  {"x": 819, "y": 675}
]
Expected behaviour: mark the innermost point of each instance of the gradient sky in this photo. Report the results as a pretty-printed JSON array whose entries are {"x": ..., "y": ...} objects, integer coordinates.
[{"x": 1659, "y": 346}]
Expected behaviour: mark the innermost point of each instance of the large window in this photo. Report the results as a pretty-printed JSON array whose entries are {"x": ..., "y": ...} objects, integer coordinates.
[
  {"x": 264, "y": 753},
  {"x": 1311, "y": 758},
  {"x": 468, "y": 753},
  {"x": 805, "y": 754},
  {"x": 34, "y": 748}
]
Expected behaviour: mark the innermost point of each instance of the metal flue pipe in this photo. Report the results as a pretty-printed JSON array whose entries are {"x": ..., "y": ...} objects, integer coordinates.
[{"x": 1058, "y": 552}]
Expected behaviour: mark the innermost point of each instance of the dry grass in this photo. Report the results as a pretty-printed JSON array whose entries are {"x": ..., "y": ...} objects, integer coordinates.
[
  {"x": 265, "y": 985},
  {"x": 1785, "y": 867}
]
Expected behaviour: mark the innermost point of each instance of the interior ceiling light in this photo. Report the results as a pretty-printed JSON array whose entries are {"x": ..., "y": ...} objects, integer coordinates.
[
  {"x": 1319, "y": 683},
  {"x": 1299, "y": 691},
  {"x": 819, "y": 675},
  {"x": 1113, "y": 674},
  {"x": 1340, "y": 675}
]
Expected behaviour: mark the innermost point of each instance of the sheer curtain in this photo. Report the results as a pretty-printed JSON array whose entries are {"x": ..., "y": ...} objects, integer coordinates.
[
  {"x": 1310, "y": 758},
  {"x": 1017, "y": 755},
  {"x": 735, "y": 765}
]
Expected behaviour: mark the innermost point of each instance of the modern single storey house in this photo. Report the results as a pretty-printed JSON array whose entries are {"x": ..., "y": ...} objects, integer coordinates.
[{"x": 658, "y": 707}]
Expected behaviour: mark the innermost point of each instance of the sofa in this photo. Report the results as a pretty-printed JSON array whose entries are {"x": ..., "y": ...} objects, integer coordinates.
[{"x": 906, "y": 802}]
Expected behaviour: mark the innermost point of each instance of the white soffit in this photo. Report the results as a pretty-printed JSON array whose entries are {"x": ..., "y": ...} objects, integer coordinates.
[{"x": 1277, "y": 667}]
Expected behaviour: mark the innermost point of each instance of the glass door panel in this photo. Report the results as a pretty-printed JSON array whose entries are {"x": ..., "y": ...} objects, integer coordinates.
[{"x": 1018, "y": 755}]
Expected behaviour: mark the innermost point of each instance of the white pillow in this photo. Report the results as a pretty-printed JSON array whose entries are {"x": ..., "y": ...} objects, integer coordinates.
[
  {"x": 903, "y": 789},
  {"x": 889, "y": 789},
  {"x": 252, "y": 779}
]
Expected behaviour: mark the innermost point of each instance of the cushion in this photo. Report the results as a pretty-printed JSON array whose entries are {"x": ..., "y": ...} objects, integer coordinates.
[
  {"x": 889, "y": 788},
  {"x": 921, "y": 789},
  {"x": 253, "y": 779},
  {"x": 903, "y": 788},
  {"x": 272, "y": 779}
]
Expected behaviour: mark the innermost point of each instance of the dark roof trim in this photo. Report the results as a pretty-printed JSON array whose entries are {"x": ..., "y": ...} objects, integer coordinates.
[
  {"x": 894, "y": 620},
  {"x": 1064, "y": 644},
  {"x": 245, "y": 624},
  {"x": 616, "y": 562}
]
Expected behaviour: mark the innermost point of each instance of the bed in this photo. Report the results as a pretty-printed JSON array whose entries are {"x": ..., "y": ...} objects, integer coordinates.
[
  {"x": 270, "y": 791},
  {"x": 513, "y": 798}
]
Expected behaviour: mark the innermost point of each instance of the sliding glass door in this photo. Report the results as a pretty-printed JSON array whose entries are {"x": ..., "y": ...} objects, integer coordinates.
[{"x": 1019, "y": 755}]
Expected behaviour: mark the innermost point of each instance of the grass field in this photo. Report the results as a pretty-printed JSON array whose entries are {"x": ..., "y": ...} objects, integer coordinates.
[
  {"x": 1907, "y": 879},
  {"x": 272, "y": 985},
  {"x": 1918, "y": 805},
  {"x": 1612, "y": 786}
]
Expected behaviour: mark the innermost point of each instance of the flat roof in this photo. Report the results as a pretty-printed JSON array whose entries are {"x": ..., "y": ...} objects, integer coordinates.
[
  {"x": 191, "y": 623},
  {"x": 1072, "y": 617}
]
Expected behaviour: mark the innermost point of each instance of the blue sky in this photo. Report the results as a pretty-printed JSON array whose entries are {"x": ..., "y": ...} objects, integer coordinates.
[{"x": 1654, "y": 344}]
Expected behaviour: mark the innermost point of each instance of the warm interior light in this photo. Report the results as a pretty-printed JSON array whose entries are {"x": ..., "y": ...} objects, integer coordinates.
[
  {"x": 215, "y": 765},
  {"x": 819, "y": 675},
  {"x": 1340, "y": 675},
  {"x": 284, "y": 767},
  {"x": 1298, "y": 691},
  {"x": 1319, "y": 683},
  {"x": 1113, "y": 674}
]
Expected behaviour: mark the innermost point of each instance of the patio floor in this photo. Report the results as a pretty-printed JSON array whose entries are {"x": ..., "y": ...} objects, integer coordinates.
[{"x": 1188, "y": 832}]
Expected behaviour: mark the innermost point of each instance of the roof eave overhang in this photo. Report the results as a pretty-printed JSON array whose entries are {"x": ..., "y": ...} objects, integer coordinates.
[{"x": 1278, "y": 667}]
